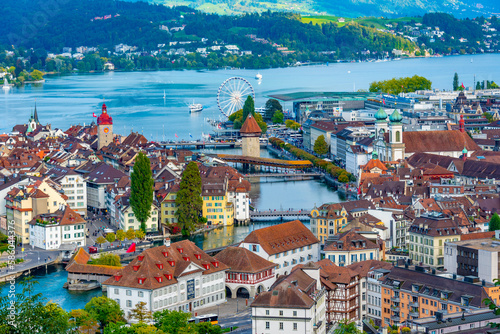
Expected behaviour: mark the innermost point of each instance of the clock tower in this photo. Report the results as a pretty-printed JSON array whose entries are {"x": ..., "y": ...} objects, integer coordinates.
[{"x": 104, "y": 128}]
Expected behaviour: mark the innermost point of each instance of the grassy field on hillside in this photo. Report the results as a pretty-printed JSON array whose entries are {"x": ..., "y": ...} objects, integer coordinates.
[{"x": 374, "y": 22}]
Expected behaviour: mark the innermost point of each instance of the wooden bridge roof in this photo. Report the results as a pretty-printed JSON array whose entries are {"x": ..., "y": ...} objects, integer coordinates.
[{"x": 266, "y": 161}]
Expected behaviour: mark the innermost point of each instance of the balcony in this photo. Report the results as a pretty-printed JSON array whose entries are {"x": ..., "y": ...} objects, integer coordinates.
[
  {"x": 395, "y": 308},
  {"x": 395, "y": 318},
  {"x": 414, "y": 313},
  {"x": 413, "y": 304},
  {"x": 395, "y": 299}
]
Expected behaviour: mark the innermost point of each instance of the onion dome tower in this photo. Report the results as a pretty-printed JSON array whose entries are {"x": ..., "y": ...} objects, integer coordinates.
[
  {"x": 104, "y": 128},
  {"x": 380, "y": 123},
  {"x": 397, "y": 147}
]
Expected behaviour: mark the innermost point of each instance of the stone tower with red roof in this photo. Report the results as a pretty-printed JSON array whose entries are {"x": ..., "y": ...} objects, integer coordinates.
[
  {"x": 250, "y": 134},
  {"x": 104, "y": 128}
]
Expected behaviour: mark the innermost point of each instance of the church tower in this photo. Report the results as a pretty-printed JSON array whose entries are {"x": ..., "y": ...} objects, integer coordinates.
[
  {"x": 396, "y": 145},
  {"x": 104, "y": 128},
  {"x": 380, "y": 123},
  {"x": 250, "y": 133}
]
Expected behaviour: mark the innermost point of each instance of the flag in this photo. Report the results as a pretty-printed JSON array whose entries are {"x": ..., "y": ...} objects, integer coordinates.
[
  {"x": 383, "y": 101},
  {"x": 94, "y": 115},
  {"x": 131, "y": 249},
  {"x": 190, "y": 136},
  {"x": 463, "y": 87},
  {"x": 176, "y": 136}
]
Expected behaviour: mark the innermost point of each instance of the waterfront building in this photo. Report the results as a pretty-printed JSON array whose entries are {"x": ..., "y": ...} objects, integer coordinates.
[
  {"x": 474, "y": 321},
  {"x": 85, "y": 276},
  {"x": 408, "y": 295},
  {"x": 128, "y": 220},
  {"x": 250, "y": 133},
  {"x": 26, "y": 202},
  {"x": 74, "y": 186},
  {"x": 53, "y": 230},
  {"x": 104, "y": 128},
  {"x": 342, "y": 140},
  {"x": 363, "y": 270},
  {"x": 327, "y": 220},
  {"x": 248, "y": 273},
  {"x": 350, "y": 247},
  {"x": 478, "y": 257},
  {"x": 179, "y": 276},
  {"x": 295, "y": 303},
  {"x": 427, "y": 236},
  {"x": 216, "y": 206},
  {"x": 285, "y": 244},
  {"x": 97, "y": 181}
]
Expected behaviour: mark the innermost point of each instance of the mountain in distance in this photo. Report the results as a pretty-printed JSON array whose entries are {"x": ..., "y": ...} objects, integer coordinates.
[{"x": 348, "y": 8}]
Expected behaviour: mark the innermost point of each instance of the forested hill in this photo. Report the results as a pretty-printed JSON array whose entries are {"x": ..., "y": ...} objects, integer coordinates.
[
  {"x": 346, "y": 8},
  {"x": 106, "y": 23}
]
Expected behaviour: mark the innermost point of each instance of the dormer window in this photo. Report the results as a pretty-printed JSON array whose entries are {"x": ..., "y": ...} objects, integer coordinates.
[
  {"x": 168, "y": 276},
  {"x": 140, "y": 257},
  {"x": 136, "y": 267},
  {"x": 198, "y": 256},
  {"x": 159, "y": 265},
  {"x": 180, "y": 250},
  {"x": 117, "y": 277},
  {"x": 165, "y": 253},
  {"x": 186, "y": 258},
  {"x": 172, "y": 263},
  {"x": 159, "y": 278},
  {"x": 215, "y": 264},
  {"x": 141, "y": 280}
]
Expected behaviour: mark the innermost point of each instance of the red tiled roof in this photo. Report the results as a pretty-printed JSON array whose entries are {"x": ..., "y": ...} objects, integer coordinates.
[
  {"x": 282, "y": 237},
  {"x": 244, "y": 261},
  {"x": 250, "y": 126}
]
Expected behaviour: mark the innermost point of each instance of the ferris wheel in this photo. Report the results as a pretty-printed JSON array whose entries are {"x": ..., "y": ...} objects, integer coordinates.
[{"x": 232, "y": 95}]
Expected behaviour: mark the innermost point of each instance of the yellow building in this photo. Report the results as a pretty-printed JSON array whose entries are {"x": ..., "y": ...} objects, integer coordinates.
[
  {"x": 427, "y": 236},
  {"x": 328, "y": 220},
  {"x": 216, "y": 205},
  {"x": 168, "y": 208},
  {"x": 23, "y": 204}
]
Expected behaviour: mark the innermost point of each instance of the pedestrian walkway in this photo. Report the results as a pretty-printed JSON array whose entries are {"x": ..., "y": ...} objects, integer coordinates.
[{"x": 232, "y": 307}]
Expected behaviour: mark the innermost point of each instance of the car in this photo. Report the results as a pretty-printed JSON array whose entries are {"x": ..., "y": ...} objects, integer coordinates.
[{"x": 92, "y": 250}]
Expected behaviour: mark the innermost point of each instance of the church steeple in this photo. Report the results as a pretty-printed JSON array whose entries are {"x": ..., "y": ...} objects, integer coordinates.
[{"x": 35, "y": 116}]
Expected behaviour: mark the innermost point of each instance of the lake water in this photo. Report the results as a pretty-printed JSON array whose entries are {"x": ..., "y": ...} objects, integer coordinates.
[{"x": 135, "y": 99}]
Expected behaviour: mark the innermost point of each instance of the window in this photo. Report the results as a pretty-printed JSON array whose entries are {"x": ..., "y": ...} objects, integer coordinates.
[
  {"x": 294, "y": 313},
  {"x": 129, "y": 303},
  {"x": 294, "y": 326},
  {"x": 129, "y": 292},
  {"x": 267, "y": 312},
  {"x": 281, "y": 326},
  {"x": 281, "y": 313},
  {"x": 140, "y": 294},
  {"x": 267, "y": 324}
]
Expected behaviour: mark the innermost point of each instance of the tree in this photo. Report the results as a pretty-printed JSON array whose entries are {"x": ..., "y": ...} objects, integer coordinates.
[
  {"x": 110, "y": 237},
  {"x": 248, "y": 108},
  {"x": 488, "y": 117},
  {"x": 172, "y": 322},
  {"x": 278, "y": 117},
  {"x": 141, "y": 313},
  {"x": 120, "y": 236},
  {"x": 494, "y": 222},
  {"x": 130, "y": 234},
  {"x": 141, "y": 190},
  {"x": 36, "y": 75},
  {"x": 107, "y": 259},
  {"x": 207, "y": 328},
  {"x": 83, "y": 321},
  {"x": 456, "y": 85},
  {"x": 272, "y": 105},
  {"x": 100, "y": 240},
  {"x": 291, "y": 124},
  {"x": 105, "y": 310},
  {"x": 320, "y": 145},
  {"x": 32, "y": 314},
  {"x": 140, "y": 234},
  {"x": 189, "y": 202},
  {"x": 346, "y": 327},
  {"x": 344, "y": 178}
]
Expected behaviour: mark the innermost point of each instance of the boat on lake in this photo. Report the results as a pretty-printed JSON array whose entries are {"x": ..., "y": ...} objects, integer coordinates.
[
  {"x": 195, "y": 107},
  {"x": 258, "y": 76}
]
